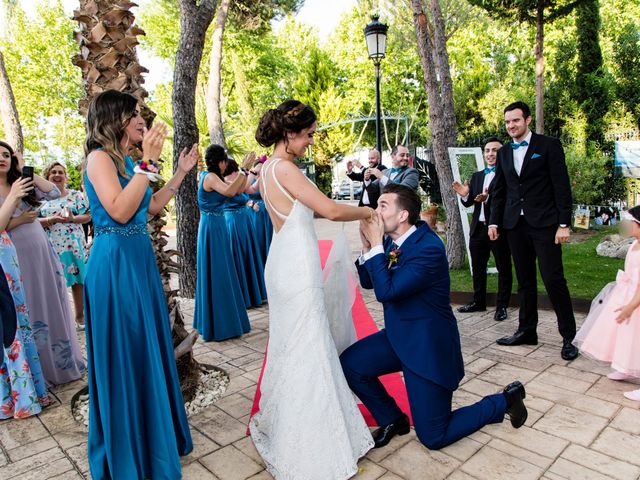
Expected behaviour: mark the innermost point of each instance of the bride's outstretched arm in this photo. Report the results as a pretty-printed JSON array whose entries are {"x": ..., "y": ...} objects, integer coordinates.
[{"x": 292, "y": 179}]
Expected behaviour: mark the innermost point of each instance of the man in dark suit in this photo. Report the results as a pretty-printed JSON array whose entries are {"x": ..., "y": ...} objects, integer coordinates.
[
  {"x": 532, "y": 204},
  {"x": 477, "y": 193},
  {"x": 421, "y": 337},
  {"x": 400, "y": 173},
  {"x": 370, "y": 189}
]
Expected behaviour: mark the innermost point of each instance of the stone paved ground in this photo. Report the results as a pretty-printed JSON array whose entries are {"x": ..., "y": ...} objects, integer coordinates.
[{"x": 579, "y": 427}]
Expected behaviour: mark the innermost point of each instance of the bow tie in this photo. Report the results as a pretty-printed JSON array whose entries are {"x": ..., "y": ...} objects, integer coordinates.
[
  {"x": 516, "y": 145},
  {"x": 488, "y": 170},
  {"x": 396, "y": 170}
]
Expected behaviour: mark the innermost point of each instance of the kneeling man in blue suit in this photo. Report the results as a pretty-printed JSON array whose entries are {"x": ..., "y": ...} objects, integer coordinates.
[{"x": 405, "y": 263}]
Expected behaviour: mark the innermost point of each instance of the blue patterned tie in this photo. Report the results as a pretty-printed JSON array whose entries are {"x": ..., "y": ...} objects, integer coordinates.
[
  {"x": 516, "y": 145},
  {"x": 396, "y": 170},
  {"x": 488, "y": 170}
]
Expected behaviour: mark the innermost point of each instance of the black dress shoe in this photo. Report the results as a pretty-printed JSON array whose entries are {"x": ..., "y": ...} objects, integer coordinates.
[
  {"x": 519, "y": 338},
  {"x": 515, "y": 395},
  {"x": 569, "y": 350},
  {"x": 500, "y": 315},
  {"x": 383, "y": 435},
  {"x": 472, "y": 307}
]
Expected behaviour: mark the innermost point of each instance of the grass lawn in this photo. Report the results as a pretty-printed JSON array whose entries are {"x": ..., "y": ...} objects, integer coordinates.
[{"x": 586, "y": 272}]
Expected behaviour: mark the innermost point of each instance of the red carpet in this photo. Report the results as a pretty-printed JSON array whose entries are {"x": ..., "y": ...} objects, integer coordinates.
[{"x": 365, "y": 326}]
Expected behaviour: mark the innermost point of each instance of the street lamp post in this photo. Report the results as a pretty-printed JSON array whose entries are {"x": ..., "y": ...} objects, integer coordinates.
[{"x": 375, "y": 34}]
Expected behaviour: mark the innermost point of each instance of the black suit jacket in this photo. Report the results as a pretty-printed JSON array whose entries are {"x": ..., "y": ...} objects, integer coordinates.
[
  {"x": 373, "y": 190},
  {"x": 542, "y": 190},
  {"x": 475, "y": 188}
]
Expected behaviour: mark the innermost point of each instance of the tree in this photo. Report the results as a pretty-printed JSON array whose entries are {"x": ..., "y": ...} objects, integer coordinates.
[
  {"x": 538, "y": 13},
  {"x": 627, "y": 58},
  {"x": 592, "y": 86},
  {"x": 195, "y": 18},
  {"x": 432, "y": 48},
  {"x": 9, "y": 111},
  {"x": 214, "y": 85}
]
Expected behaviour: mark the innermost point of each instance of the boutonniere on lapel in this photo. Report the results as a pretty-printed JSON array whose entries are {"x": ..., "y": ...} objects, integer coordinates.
[
  {"x": 535, "y": 155},
  {"x": 393, "y": 256}
]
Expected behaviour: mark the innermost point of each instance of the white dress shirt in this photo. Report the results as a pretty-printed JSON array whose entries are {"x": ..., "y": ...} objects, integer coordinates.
[
  {"x": 392, "y": 175},
  {"x": 378, "y": 249},
  {"x": 519, "y": 154},
  {"x": 488, "y": 178}
]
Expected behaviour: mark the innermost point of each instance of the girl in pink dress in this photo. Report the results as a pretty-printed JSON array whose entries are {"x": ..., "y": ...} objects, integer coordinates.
[{"x": 611, "y": 331}]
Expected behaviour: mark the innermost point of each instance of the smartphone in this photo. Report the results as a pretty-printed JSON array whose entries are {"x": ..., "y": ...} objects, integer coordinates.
[{"x": 27, "y": 172}]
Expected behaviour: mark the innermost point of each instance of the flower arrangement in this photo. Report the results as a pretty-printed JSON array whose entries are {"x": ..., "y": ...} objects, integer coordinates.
[
  {"x": 148, "y": 168},
  {"x": 393, "y": 256}
]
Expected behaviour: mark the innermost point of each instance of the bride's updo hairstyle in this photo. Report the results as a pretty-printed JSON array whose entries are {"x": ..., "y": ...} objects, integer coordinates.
[{"x": 290, "y": 116}]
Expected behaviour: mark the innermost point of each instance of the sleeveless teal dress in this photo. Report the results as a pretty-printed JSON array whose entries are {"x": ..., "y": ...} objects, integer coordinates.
[
  {"x": 262, "y": 227},
  {"x": 220, "y": 311},
  {"x": 137, "y": 421},
  {"x": 245, "y": 250}
]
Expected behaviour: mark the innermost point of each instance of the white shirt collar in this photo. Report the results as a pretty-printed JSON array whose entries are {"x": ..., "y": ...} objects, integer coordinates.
[
  {"x": 527, "y": 138},
  {"x": 406, "y": 235}
]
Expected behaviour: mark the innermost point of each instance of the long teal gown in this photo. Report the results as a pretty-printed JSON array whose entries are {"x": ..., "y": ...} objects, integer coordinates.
[
  {"x": 262, "y": 227},
  {"x": 245, "y": 250},
  {"x": 137, "y": 421},
  {"x": 220, "y": 311}
]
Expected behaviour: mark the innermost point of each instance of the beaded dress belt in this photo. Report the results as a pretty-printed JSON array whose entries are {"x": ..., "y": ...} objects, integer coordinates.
[
  {"x": 125, "y": 230},
  {"x": 212, "y": 214}
]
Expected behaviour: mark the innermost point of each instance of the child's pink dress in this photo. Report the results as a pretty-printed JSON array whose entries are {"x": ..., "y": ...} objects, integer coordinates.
[{"x": 601, "y": 337}]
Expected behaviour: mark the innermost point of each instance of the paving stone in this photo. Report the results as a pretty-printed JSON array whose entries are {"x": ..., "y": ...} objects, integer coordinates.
[
  {"x": 235, "y": 405},
  {"x": 502, "y": 374},
  {"x": 586, "y": 403},
  {"x": 367, "y": 470},
  {"x": 195, "y": 471},
  {"x": 513, "y": 359},
  {"x": 414, "y": 462},
  {"x": 378, "y": 454},
  {"x": 264, "y": 475},
  {"x": 600, "y": 463},
  {"x": 492, "y": 464},
  {"x": 22, "y": 467},
  {"x": 229, "y": 463},
  {"x": 524, "y": 454},
  {"x": 572, "y": 371},
  {"x": 460, "y": 475},
  {"x": 571, "y": 424},
  {"x": 238, "y": 383},
  {"x": 247, "y": 447},
  {"x": 78, "y": 455},
  {"x": 32, "y": 448},
  {"x": 202, "y": 445},
  {"x": 618, "y": 444},
  {"x": 627, "y": 420},
  {"x": 221, "y": 427},
  {"x": 528, "y": 438},
  {"x": 572, "y": 471},
  {"x": 3, "y": 459},
  {"x": 562, "y": 381},
  {"x": 613, "y": 391},
  {"x": 463, "y": 449},
  {"x": 17, "y": 432},
  {"x": 480, "y": 387}
]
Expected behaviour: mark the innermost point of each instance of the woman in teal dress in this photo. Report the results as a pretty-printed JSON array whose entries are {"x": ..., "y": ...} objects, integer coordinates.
[
  {"x": 137, "y": 420},
  {"x": 220, "y": 311},
  {"x": 244, "y": 245},
  {"x": 262, "y": 226}
]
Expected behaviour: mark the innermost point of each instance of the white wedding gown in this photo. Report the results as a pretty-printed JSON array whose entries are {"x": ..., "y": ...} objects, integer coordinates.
[{"x": 309, "y": 426}]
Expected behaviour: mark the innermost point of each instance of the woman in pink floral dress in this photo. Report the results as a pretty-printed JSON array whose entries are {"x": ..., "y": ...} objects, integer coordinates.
[{"x": 22, "y": 387}]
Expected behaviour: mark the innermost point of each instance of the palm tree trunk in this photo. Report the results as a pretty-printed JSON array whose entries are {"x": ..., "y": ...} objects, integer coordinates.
[
  {"x": 214, "y": 86},
  {"x": 9, "y": 111}
]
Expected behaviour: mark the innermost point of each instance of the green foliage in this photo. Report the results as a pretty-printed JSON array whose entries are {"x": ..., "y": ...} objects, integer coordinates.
[
  {"x": 46, "y": 85},
  {"x": 627, "y": 59},
  {"x": 592, "y": 82},
  {"x": 588, "y": 172}
]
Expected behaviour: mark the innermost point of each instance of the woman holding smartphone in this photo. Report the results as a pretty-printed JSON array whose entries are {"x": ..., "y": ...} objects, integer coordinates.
[{"x": 45, "y": 288}]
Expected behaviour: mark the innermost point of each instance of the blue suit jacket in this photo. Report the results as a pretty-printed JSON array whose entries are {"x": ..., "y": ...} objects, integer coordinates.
[{"x": 415, "y": 293}]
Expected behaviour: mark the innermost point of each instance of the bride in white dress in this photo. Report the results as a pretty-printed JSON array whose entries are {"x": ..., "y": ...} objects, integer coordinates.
[{"x": 309, "y": 426}]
